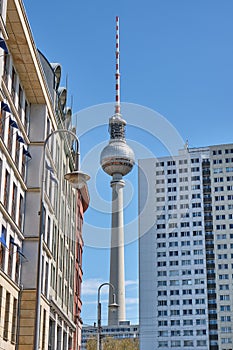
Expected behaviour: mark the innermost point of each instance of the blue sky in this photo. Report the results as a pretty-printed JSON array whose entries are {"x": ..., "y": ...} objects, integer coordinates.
[{"x": 176, "y": 61}]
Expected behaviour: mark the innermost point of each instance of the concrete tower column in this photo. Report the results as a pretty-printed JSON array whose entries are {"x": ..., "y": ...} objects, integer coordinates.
[{"x": 117, "y": 265}]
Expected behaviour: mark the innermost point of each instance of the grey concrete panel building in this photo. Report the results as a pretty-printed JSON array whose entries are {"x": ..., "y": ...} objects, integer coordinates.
[{"x": 186, "y": 250}]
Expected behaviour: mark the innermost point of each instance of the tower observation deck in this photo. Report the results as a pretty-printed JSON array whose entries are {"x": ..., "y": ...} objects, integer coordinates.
[{"x": 117, "y": 160}]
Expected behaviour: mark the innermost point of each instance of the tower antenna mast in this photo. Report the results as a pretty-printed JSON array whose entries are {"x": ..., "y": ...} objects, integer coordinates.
[{"x": 117, "y": 106}]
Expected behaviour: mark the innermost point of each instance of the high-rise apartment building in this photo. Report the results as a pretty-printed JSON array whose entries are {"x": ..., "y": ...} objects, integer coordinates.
[
  {"x": 186, "y": 250},
  {"x": 33, "y": 108}
]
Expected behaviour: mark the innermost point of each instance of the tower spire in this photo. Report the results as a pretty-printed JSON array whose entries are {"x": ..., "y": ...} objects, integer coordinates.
[{"x": 117, "y": 106}]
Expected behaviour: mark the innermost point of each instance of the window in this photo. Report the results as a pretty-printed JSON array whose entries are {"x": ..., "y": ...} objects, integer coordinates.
[
  {"x": 225, "y": 308},
  {"x": 162, "y": 293},
  {"x": 197, "y": 223},
  {"x": 160, "y": 190},
  {"x": 160, "y": 181},
  {"x": 6, "y": 317},
  {"x": 184, "y": 188},
  {"x": 185, "y": 252},
  {"x": 174, "y": 283},
  {"x": 158, "y": 164},
  {"x": 175, "y": 312},
  {"x": 198, "y": 251},
  {"x": 14, "y": 321},
  {"x": 161, "y": 254},
  {"x": 175, "y": 322},
  {"x": 171, "y": 189},
  {"x": 215, "y": 152},
  {"x": 3, "y": 247},
  {"x": 187, "y": 291},
  {"x": 183, "y": 179},
  {"x": 162, "y": 344},
  {"x": 162, "y": 273},
  {"x": 220, "y": 217},
  {"x": 175, "y": 333},
  {"x": 184, "y": 197},
  {"x": 171, "y": 180},
  {"x": 183, "y": 170},
  {"x": 226, "y": 341},
  {"x": 162, "y": 283},
  {"x": 201, "y": 343},
  {"x": 226, "y": 329},
  {"x": 174, "y": 292},
  {"x": 171, "y": 171},
  {"x": 162, "y": 313},
  {"x": 187, "y": 322},
  {"x": 173, "y": 253},
  {"x": 217, "y": 170},
  {"x": 21, "y": 211},
  {"x": 196, "y": 205},
  {"x": 161, "y": 245},
  {"x": 186, "y": 282},
  {"x": 198, "y": 242},
  {"x": 222, "y": 266},
  {"x": 225, "y": 318},
  {"x": 185, "y": 262},
  {"x": 184, "y": 224},
  {"x": 6, "y": 189},
  {"x": 223, "y": 277},
  {"x": 161, "y": 235},
  {"x": 187, "y": 312},
  {"x": 171, "y": 198},
  {"x": 224, "y": 286},
  {"x": 185, "y": 234},
  {"x": 217, "y": 161},
  {"x": 172, "y": 207},
  {"x": 173, "y": 234},
  {"x": 183, "y": 161},
  {"x": 188, "y": 343},
  {"x": 161, "y": 217},
  {"x": 175, "y": 343},
  {"x": 196, "y": 195},
  {"x": 199, "y": 281},
  {"x": 199, "y": 291},
  {"x": 199, "y": 301},
  {"x": 173, "y": 244}
]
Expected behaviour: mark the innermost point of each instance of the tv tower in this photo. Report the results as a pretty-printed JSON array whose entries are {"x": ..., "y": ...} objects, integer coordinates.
[{"x": 117, "y": 160}]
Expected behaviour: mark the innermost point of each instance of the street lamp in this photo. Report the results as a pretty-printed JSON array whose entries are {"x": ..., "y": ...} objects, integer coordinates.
[
  {"x": 113, "y": 306},
  {"x": 77, "y": 179}
]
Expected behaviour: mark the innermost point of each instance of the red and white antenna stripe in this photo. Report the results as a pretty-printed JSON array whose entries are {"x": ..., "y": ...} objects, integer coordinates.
[{"x": 117, "y": 106}]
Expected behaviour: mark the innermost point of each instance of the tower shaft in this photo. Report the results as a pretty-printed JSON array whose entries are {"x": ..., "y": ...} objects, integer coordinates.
[{"x": 117, "y": 269}]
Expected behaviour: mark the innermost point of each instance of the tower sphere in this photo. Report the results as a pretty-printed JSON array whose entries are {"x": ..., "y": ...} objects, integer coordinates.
[{"x": 117, "y": 158}]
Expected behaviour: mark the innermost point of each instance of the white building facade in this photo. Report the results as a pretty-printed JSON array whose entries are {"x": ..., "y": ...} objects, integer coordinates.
[
  {"x": 186, "y": 250},
  {"x": 33, "y": 107}
]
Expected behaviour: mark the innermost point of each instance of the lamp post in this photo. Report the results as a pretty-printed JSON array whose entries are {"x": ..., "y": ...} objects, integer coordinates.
[
  {"x": 113, "y": 306},
  {"x": 77, "y": 179}
]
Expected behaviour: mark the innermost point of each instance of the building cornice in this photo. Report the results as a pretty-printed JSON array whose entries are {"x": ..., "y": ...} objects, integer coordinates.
[{"x": 25, "y": 56}]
